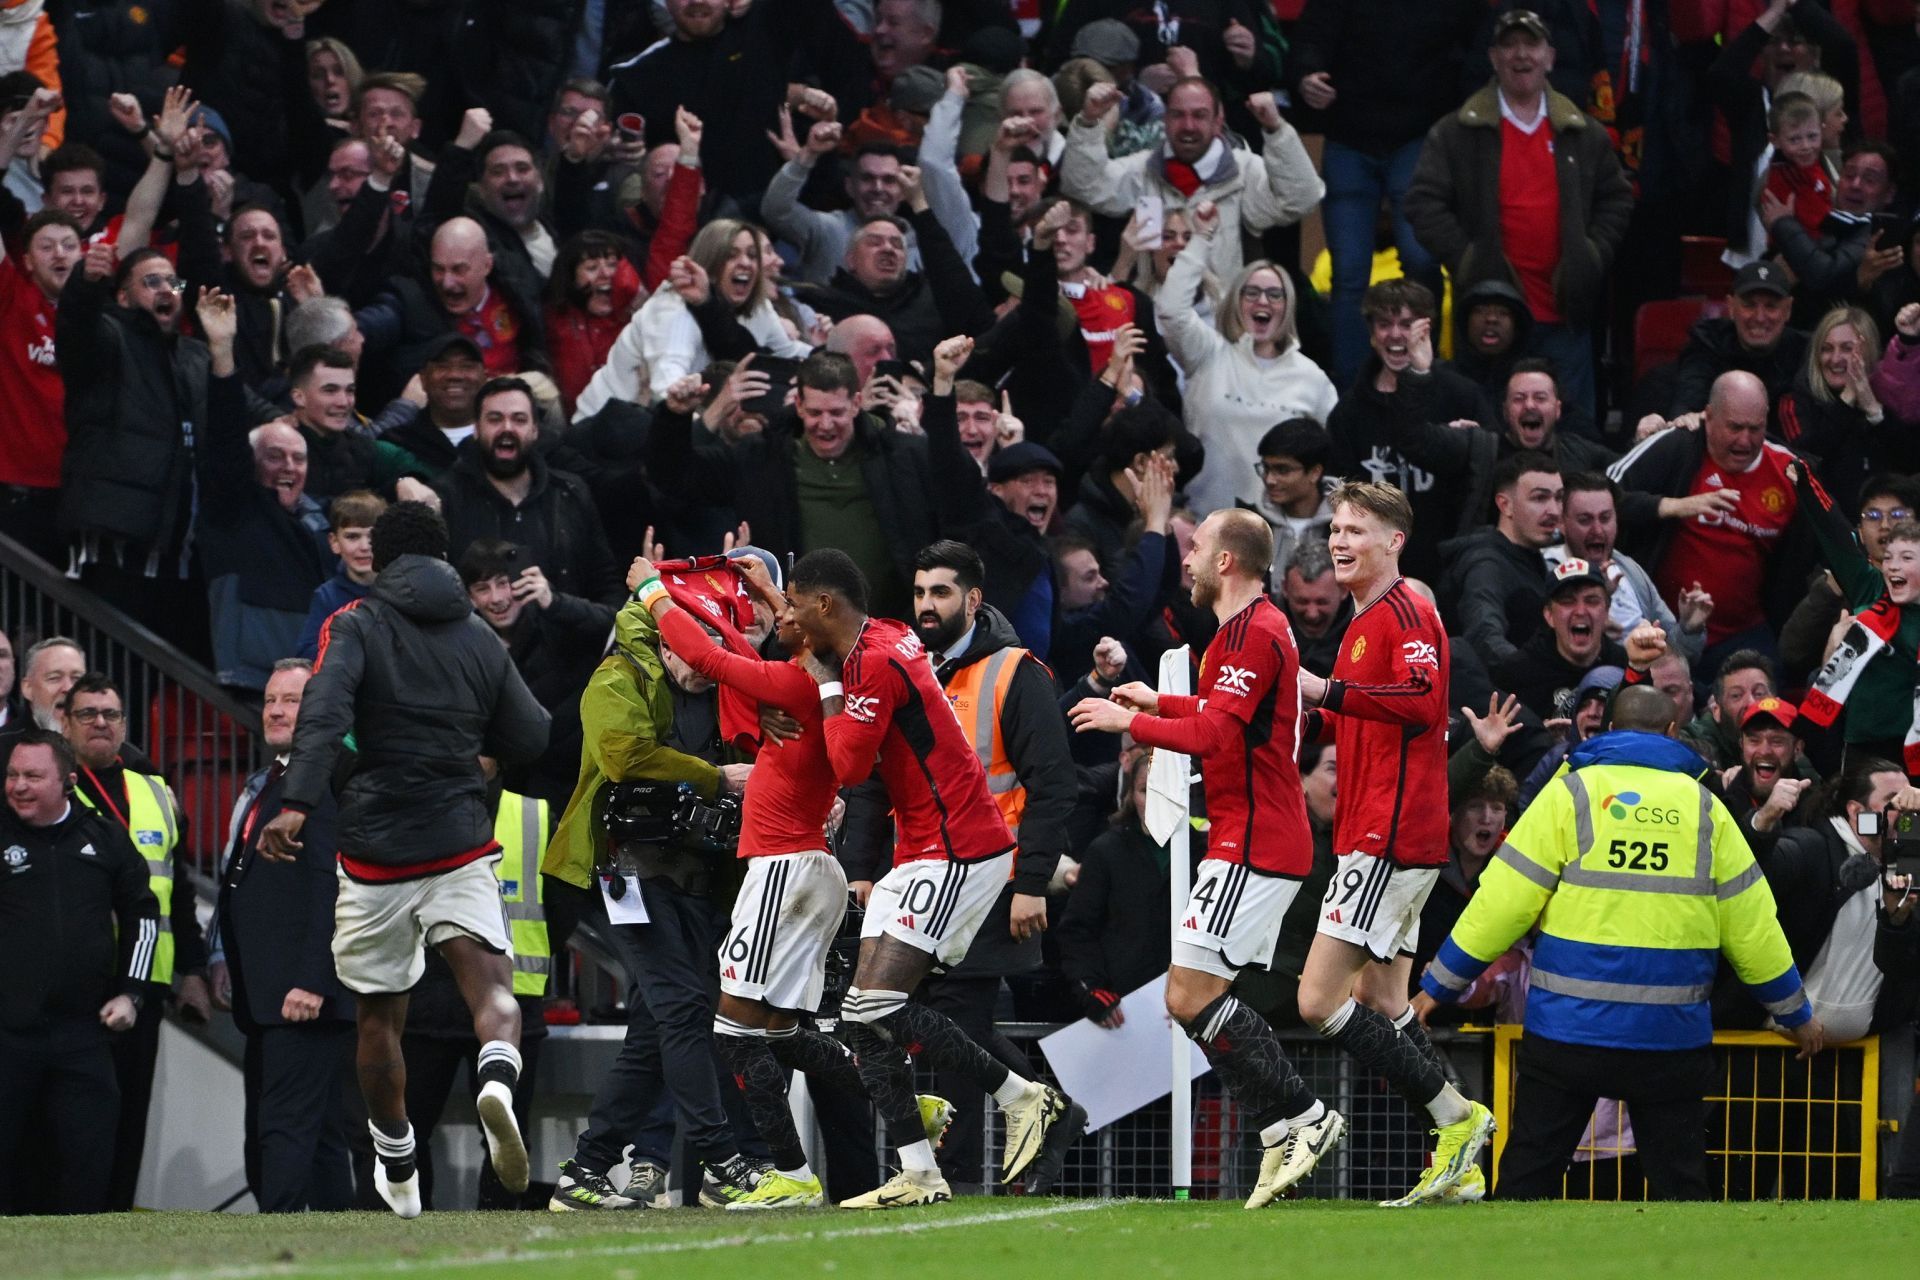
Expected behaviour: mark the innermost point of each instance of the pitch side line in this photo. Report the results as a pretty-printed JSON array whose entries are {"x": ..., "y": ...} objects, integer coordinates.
[{"x": 639, "y": 1248}]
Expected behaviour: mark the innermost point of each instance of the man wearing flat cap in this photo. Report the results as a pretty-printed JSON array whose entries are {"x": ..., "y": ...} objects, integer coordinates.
[{"x": 1521, "y": 186}]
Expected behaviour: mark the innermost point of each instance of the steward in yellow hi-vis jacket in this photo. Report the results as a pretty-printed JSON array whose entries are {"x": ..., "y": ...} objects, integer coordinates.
[{"x": 1640, "y": 881}]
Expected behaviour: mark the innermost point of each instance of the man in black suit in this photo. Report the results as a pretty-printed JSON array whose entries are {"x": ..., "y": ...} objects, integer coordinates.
[{"x": 276, "y": 924}]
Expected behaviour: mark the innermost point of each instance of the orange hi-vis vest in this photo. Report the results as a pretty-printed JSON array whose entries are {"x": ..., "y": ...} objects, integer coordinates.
[{"x": 977, "y": 692}]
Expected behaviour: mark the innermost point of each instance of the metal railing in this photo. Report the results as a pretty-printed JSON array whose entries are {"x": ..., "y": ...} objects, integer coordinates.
[
  {"x": 1778, "y": 1128},
  {"x": 1384, "y": 1153},
  {"x": 203, "y": 740}
]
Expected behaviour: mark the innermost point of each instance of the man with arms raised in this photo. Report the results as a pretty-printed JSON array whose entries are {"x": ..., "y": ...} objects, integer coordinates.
[
  {"x": 1245, "y": 731},
  {"x": 1386, "y": 710},
  {"x": 880, "y": 703}
]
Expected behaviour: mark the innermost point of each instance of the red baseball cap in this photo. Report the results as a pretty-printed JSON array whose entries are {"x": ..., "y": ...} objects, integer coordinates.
[{"x": 1779, "y": 710}]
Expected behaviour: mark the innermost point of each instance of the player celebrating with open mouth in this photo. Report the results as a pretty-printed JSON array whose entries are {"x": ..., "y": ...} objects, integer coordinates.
[{"x": 1386, "y": 710}]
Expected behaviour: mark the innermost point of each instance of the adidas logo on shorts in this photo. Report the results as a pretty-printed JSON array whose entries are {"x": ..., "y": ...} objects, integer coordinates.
[{"x": 907, "y": 921}]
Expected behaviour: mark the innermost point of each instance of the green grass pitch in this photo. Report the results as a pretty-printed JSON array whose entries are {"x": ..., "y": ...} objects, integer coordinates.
[{"x": 1033, "y": 1240}]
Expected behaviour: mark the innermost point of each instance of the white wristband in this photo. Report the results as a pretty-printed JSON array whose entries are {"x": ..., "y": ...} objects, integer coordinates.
[{"x": 832, "y": 689}]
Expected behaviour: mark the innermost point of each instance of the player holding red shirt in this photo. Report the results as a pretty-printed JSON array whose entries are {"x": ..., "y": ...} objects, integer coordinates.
[
  {"x": 789, "y": 907},
  {"x": 879, "y": 697},
  {"x": 1244, "y": 730},
  {"x": 1386, "y": 706}
]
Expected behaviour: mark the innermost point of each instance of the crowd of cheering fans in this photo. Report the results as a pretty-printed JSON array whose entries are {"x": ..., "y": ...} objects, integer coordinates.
[{"x": 1001, "y": 299}]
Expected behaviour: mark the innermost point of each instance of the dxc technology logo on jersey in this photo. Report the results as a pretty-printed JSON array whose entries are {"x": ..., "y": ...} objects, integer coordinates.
[{"x": 1235, "y": 680}]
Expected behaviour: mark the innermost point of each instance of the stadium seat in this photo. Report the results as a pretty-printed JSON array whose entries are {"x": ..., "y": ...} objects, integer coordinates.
[
  {"x": 1660, "y": 329},
  {"x": 1701, "y": 270},
  {"x": 184, "y": 729},
  {"x": 206, "y": 793}
]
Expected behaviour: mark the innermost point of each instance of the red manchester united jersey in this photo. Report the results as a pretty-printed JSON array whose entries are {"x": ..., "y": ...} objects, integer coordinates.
[
  {"x": 791, "y": 788},
  {"x": 1387, "y": 703},
  {"x": 896, "y": 711},
  {"x": 1245, "y": 730}
]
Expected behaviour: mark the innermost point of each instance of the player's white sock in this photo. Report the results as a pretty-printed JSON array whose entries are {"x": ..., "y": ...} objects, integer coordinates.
[
  {"x": 1015, "y": 1089},
  {"x": 917, "y": 1157},
  {"x": 1276, "y": 1132},
  {"x": 1448, "y": 1107},
  {"x": 798, "y": 1175}
]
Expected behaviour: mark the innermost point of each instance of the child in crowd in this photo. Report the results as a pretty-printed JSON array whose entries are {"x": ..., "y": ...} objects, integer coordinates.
[
  {"x": 349, "y": 536},
  {"x": 1799, "y": 171}
]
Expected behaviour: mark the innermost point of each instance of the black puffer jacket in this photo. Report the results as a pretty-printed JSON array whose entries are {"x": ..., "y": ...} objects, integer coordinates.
[
  {"x": 248, "y": 72},
  {"x": 426, "y": 688},
  {"x": 109, "y": 47},
  {"x": 512, "y": 55},
  {"x": 136, "y": 396},
  {"x": 1713, "y": 348}
]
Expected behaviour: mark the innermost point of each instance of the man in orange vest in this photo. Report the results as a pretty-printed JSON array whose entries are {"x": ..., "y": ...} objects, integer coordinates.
[{"x": 1009, "y": 709}]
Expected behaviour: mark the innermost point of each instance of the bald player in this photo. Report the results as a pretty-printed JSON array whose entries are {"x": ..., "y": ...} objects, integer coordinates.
[{"x": 1244, "y": 729}]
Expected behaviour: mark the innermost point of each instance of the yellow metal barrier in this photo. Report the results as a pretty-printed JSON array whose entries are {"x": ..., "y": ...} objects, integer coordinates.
[{"x": 1778, "y": 1127}]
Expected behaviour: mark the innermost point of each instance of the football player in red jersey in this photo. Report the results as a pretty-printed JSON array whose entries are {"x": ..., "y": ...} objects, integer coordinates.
[
  {"x": 1386, "y": 708},
  {"x": 880, "y": 701},
  {"x": 1244, "y": 728}
]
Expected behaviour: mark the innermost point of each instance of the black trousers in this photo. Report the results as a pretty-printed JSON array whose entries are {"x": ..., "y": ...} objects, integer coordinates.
[
  {"x": 1559, "y": 1084},
  {"x": 970, "y": 1002},
  {"x": 296, "y": 1132},
  {"x": 134, "y": 1053},
  {"x": 61, "y": 1079},
  {"x": 434, "y": 1064},
  {"x": 668, "y": 1050}
]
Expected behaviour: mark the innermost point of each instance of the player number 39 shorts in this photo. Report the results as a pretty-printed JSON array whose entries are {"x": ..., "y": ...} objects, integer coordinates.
[{"x": 1374, "y": 904}]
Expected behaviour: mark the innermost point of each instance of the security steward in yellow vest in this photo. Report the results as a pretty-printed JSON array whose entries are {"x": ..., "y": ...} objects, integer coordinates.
[
  {"x": 439, "y": 1039},
  {"x": 1009, "y": 709},
  {"x": 143, "y": 806},
  {"x": 1640, "y": 882}
]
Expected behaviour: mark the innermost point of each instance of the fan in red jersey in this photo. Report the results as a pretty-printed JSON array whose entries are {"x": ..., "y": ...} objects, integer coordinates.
[
  {"x": 1385, "y": 708},
  {"x": 880, "y": 701},
  {"x": 1244, "y": 728}
]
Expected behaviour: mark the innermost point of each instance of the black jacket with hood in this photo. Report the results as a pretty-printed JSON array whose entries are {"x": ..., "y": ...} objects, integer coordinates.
[{"x": 426, "y": 688}]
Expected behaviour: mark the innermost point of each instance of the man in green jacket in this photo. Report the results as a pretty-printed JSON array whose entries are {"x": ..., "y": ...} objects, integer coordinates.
[{"x": 646, "y": 716}]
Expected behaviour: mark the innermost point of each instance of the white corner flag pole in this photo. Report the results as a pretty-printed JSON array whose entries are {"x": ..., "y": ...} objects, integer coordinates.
[{"x": 1168, "y": 788}]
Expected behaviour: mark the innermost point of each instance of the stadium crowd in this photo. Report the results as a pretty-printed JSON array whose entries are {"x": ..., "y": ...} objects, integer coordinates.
[{"x": 1002, "y": 299}]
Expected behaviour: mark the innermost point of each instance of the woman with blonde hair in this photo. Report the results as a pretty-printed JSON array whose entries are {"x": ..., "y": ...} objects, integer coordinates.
[
  {"x": 663, "y": 342},
  {"x": 1832, "y": 417},
  {"x": 1244, "y": 373},
  {"x": 334, "y": 74}
]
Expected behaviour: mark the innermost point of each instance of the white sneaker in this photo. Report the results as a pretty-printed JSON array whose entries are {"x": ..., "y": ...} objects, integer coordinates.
[
  {"x": 1027, "y": 1123},
  {"x": 504, "y": 1144},
  {"x": 1294, "y": 1157},
  {"x": 903, "y": 1190},
  {"x": 401, "y": 1197}
]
